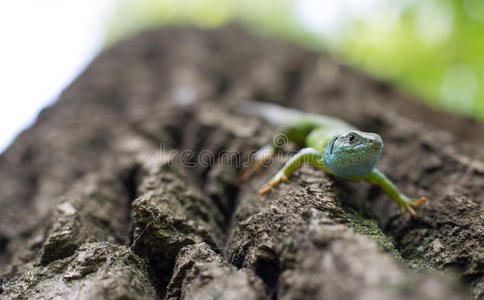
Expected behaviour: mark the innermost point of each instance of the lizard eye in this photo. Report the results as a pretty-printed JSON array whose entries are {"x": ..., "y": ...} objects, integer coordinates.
[{"x": 351, "y": 137}]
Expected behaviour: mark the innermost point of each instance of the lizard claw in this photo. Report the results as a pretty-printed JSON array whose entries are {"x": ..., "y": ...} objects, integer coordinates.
[
  {"x": 249, "y": 172},
  {"x": 413, "y": 203},
  {"x": 418, "y": 202},
  {"x": 261, "y": 156},
  {"x": 268, "y": 187}
]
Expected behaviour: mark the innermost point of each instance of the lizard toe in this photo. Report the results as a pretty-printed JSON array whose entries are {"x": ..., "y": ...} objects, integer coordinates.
[{"x": 418, "y": 202}]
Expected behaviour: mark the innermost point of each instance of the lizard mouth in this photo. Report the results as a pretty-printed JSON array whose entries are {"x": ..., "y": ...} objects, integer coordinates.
[{"x": 374, "y": 145}]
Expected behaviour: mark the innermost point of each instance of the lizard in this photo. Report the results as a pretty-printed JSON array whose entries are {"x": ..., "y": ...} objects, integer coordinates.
[{"x": 329, "y": 143}]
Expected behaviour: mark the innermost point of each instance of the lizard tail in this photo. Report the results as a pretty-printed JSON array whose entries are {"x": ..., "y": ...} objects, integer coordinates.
[{"x": 272, "y": 113}]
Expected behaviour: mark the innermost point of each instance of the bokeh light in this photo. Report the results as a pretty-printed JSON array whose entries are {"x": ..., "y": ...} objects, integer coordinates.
[{"x": 45, "y": 45}]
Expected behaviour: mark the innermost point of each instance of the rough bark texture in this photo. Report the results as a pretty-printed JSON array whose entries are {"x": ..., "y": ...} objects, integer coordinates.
[{"x": 95, "y": 203}]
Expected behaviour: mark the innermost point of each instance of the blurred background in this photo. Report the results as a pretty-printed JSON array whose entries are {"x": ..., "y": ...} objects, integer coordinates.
[{"x": 433, "y": 49}]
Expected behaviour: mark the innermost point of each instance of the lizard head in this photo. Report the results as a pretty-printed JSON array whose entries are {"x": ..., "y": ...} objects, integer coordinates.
[{"x": 353, "y": 153}]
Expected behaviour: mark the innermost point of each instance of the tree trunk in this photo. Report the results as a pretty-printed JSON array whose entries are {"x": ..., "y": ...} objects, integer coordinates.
[{"x": 127, "y": 187}]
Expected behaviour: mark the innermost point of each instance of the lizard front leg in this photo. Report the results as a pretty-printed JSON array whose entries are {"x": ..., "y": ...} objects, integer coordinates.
[
  {"x": 378, "y": 178},
  {"x": 309, "y": 155}
]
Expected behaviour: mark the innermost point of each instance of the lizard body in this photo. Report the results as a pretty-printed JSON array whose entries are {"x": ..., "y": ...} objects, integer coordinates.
[{"x": 330, "y": 144}]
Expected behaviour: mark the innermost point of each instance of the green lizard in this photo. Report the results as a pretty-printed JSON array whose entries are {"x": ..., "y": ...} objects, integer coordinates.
[{"x": 331, "y": 144}]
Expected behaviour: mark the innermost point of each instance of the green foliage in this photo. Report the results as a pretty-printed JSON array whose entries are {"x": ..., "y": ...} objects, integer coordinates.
[
  {"x": 433, "y": 49},
  {"x": 274, "y": 18}
]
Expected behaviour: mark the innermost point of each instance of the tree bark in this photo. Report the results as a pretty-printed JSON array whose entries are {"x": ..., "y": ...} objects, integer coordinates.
[{"x": 127, "y": 186}]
